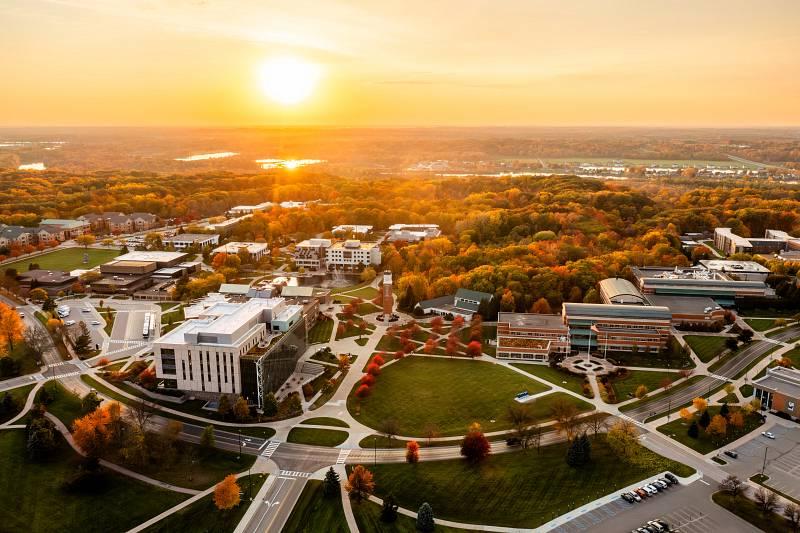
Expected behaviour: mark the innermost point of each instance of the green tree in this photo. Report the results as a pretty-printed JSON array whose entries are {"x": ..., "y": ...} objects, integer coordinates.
[
  {"x": 83, "y": 342},
  {"x": 693, "y": 430},
  {"x": 425, "y": 520},
  {"x": 207, "y": 439},
  {"x": 330, "y": 485},
  {"x": 389, "y": 510},
  {"x": 705, "y": 419},
  {"x": 41, "y": 438},
  {"x": 270, "y": 405}
]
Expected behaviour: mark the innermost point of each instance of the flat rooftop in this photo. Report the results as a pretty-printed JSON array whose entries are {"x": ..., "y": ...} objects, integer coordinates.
[
  {"x": 531, "y": 320},
  {"x": 642, "y": 312},
  {"x": 190, "y": 237},
  {"x": 47, "y": 276},
  {"x": 151, "y": 256},
  {"x": 683, "y": 305},
  {"x": 734, "y": 266},
  {"x": 783, "y": 380},
  {"x": 354, "y": 245}
]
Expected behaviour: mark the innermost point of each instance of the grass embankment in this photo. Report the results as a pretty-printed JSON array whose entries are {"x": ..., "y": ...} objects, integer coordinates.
[
  {"x": 748, "y": 510},
  {"x": 704, "y": 443},
  {"x": 66, "y": 259},
  {"x": 42, "y": 502},
  {"x": 203, "y": 515},
  {"x": 172, "y": 319},
  {"x": 706, "y": 347},
  {"x": 314, "y": 512},
  {"x": 325, "y": 421},
  {"x": 354, "y": 330},
  {"x": 561, "y": 378},
  {"x": 450, "y": 394},
  {"x": 773, "y": 334},
  {"x": 542, "y": 484},
  {"x": 316, "y": 437},
  {"x": 19, "y": 396},
  {"x": 321, "y": 332}
]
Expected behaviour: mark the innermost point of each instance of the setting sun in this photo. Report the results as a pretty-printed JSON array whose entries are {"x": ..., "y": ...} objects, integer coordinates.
[{"x": 288, "y": 80}]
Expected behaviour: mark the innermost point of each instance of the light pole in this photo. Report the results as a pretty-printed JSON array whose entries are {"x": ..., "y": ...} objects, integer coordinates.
[
  {"x": 238, "y": 457},
  {"x": 764, "y": 465}
]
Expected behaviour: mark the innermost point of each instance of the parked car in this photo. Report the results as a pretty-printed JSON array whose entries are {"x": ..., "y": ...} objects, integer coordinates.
[
  {"x": 651, "y": 489},
  {"x": 627, "y": 497},
  {"x": 69, "y": 323},
  {"x": 84, "y": 310},
  {"x": 642, "y": 493},
  {"x": 732, "y": 454},
  {"x": 671, "y": 477},
  {"x": 768, "y": 434},
  {"x": 95, "y": 322},
  {"x": 635, "y": 496},
  {"x": 22, "y": 315},
  {"x": 656, "y": 525},
  {"x": 512, "y": 441},
  {"x": 662, "y": 484}
]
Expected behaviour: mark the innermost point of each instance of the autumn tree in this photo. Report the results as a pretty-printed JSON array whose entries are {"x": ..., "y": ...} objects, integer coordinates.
[
  {"x": 412, "y": 452},
  {"x": 623, "y": 439},
  {"x": 475, "y": 446},
  {"x": 226, "y": 493},
  {"x": 686, "y": 414},
  {"x": 37, "y": 295},
  {"x": 641, "y": 391},
  {"x": 542, "y": 307},
  {"x": 791, "y": 511},
  {"x": 474, "y": 349},
  {"x": 241, "y": 411},
  {"x": 11, "y": 326},
  {"x": 718, "y": 427},
  {"x": 224, "y": 407},
  {"x": 566, "y": 416},
  {"x": 85, "y": 240},
  {"x": 700, "y": 404},
  {"x": 521, "y": 419},
  {"x": 359, "y": 484},
  {"x": 90, "y": 432},
  {"x": 343, "y": 362},
  {"x": 207, "y": 439},
  {"x": 430, "y": 346},
  {"x": 736, "y": 419}
]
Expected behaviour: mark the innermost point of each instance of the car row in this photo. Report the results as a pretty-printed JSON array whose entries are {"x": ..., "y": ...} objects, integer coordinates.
[
  {"x": 650, "y": 489},
  {"x": 653, "y": 526}
]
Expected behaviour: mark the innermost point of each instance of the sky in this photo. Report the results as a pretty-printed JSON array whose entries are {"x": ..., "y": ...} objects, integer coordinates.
[{"x": 402, "y": 63}]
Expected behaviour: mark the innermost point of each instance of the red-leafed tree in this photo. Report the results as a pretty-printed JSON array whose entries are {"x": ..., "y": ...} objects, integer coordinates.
[
  {"x": 475, "y": 446},
  {"x": 378, "y": 360},
  {"x": 363, "y": 391},
  {"x": 412, "y": 452},
  {"x": 430, "y": 346},
  {"x": 474, "y": 349},
  {"x": 399, "y": 354},
  {"x": 367, "y": 379},
  {"x": 374, "y": 369}
]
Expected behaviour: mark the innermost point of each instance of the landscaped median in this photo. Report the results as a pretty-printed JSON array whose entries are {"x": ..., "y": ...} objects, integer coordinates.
[
  {"x": 706, "y": 347},
  {"x": 738, "y": 423},
  {"x": 419, "y": 393},
  {"x": 317, "y": 437}
]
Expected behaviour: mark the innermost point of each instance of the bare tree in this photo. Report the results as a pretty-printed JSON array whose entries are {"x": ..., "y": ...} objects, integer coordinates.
[
  {"x": 520, "y": 417},
  {"x": 37, "y": 341},
  {"x": 766, "y": 500},
  {"x": 792, "y": 514},
  {"x": 566, "y": 416},
  {"x": 733, "y": 486},
  {"x": 431, "y": 432},
  {"x": 390, "y": 428},
  {"x": 535, "y": 436},
  {"x": 597, "y": 424},
  {"x": 139, "y": 415}
]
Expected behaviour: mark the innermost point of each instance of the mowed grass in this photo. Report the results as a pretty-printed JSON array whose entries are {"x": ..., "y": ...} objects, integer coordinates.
[
  {"x": 325, "y": 421},
  {"x": 368, "y": 519},
  {"x": 517, "y": 489},
  {"x": 321, "y": 332},
  {"x": 706, "y": 347},
  {"x": 625, "y": 387},
  {"x": 314, "y": 512},
  {"x": 316, "y": 437},
  {"x": 678, "y": 430},
  {"x": 449, "y": 393},
  {"x": 557, "y": 377},
  {"x": 65, "y": 259},
  {"x": 206, "y": 513},
  {"x": 794, "y": 356},
  {"x": 760, "y": 324},
  {"x": 20, "y": 395},
  {"x": 36, "y": 500}
]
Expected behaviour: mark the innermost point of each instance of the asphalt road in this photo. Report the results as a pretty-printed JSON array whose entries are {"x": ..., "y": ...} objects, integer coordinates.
[
  {"x": 787, "y": 335},
  {"x": 274, "y": 507}
]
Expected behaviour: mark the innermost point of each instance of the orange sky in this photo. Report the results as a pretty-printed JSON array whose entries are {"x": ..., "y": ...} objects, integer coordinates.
[{"x": 415, "y": 62}]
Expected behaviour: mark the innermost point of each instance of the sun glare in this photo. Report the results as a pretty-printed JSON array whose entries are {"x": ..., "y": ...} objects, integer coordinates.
[{"x": 288, "y": 80}]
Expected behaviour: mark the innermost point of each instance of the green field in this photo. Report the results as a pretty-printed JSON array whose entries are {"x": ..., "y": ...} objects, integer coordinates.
[
  {"x": 553, "y": 375},
  {"x": 317, "y": 437},
  {"x": 20, "y": 395},
  {"x": 760, "y": 324},
  {"x": 794, "y": 356},
  {"x": 542, "y": 485},
  {"x": 683, "y": 384},
  {"x": 368, "y": 519},
  {"x": 451, "y": 394},
  {"x": 66, "y": 259},
  {"x": 38, "y": 501},
  {"x": 625, "y": 387},
  {"x": 325, "y": 421},
  {"x": 321, "y": 332},
  {"x": 677, "y": 429},
  {"x": 206, "y": 513},
  {"x": 747, "y": 510},
  {"x": 315, "y": 513},
  {"x": 707, "y": 347}
]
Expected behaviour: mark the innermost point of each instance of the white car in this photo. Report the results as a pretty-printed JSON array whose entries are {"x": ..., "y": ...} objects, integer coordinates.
[
  {"x": 768, "y": 434},
  {"x": 22, "y": 315},
  {"x": 635, "y": 496},
  {"x": 95, "y": 322},
  {"x": 69, "y": 323}
]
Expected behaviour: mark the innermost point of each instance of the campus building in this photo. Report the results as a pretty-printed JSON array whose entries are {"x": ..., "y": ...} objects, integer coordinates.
[
  {"x": 16, "y": 235},
  {"x": 531, "y": 337},
  {"x": 736, "y": 270},
  {"x": 240, "y": 210},
  {"x": 310, "y": 254},
  {"x": 254, "y": 250},
  {"x": 186, "y": 240},
  {"x": 779, "y": 390},
  {"x": 247, "y": 348},
  {"x": 115, "y": 222},
  {"x": 354, "y": 229},
  {"x": 68, "y": 229},
  {"x": 136, "y": 271},
  {"x": 723, "y": 287},
  {"x": 412, "y": 232},
  {"x": 617, "y": 328},
  {"x": 464, "y": 303},
  {"x": 772, "y": 242},
  {"x": 352, "y": 255},
  {"x": 620, "y": 291},
  {"x": 52, "y": 282}
]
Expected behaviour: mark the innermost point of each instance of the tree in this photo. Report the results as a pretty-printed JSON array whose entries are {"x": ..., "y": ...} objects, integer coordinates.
[
  {"x": 330, "y": 484},
  {"x": 270, "y": 405},
  {"x": 90, "y": 402},
  {"x": 36, "y": 342},
  {"x": 374, "y": 369},
  {"x": 425, "y": 520},
  {"x": 718, "y": 427},
  {"x": 686, "y": 414},
  {"x": 390, "y": 428},
  {"x": 241, "y": 411},
  {"x": 566, "y": 416},
  {"x": 475, "y": 446},
  {"x": 83, "y": 342},
  {"x": 705, "y": 420},
  {"x": 431, "y": 431},
  {"x": 362, "y": 391},
  {"x": 343, "y": 362},
  {"x": 724, "y": 410},
  {"x": 412, "y": 452},
  {"x": 766, "y": 500},
  {"x": 731, "y": 343},
  {"x": 507, "y": 301},
  {"x": 521, "y": 419},
  {"x": 139, "y": 415},
  {"x": 745, "y": 336},
  {"x": 37, "y": 295},
  {"x": 792, "y": 513},
  {"x": 359, "y": 484},
  {"x": 11, "y": 326},
  {"x": 579, "y": 451},
  {"x": 41, "y": 438},
  {"x": 474, "y": 349},
  {"x": 226, "y": 493},
  {"x": 733, "y": 486},
  {"x": 736, "y": 419},
  {"x": 85, "y": 240},
  {"x": 694, "y": 430},
  {"x": 641, "y": 391},
  {"x": 623, "y": 439},
  {"x": 224, "y": 406},
  {"x": 542, "y": 307},
  {"x": 389, "y": 510},
  {"x": 700, "y": 404},
  {"x": 91, "y": 434},
  {"x": 207, "y": 439}
]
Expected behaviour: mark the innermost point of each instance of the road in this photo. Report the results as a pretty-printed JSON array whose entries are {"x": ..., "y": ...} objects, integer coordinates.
[
  {"x": 787, "y": 335},
  {"x": 276, "y": 504}
]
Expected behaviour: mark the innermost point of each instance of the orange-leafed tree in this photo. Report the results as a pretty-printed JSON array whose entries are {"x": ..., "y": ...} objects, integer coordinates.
[
  {"x": 542, "y": 307},
  {"x": 718, "y": 427},
  {"x": 451, "y": 348},
  {"x": 736, "y": 419},
  {"x": 458, "y": 322},
  {"x": 226, "y": 493},
  {"x": 359, "y": 484},
  {"x": 430, "y": 346},
  {"x": 436, "y": 324},
  {"x": 91, "y": 432},
  {"x": 11, "y": 327},
  {"x": 686, "y": 414},
  {"x": 399, "y": 354},
  {"x": 700, "y": 404},
  {"x": 412, "y": 452},
  {"x": 474, "y": 349}
]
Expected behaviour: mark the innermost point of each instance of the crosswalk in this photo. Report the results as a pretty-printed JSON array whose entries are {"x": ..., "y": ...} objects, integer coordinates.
[
  {"x": 270, "y": 448},
  {"x": 292, "y": 473},
  {"x": 343, "y": 454}
]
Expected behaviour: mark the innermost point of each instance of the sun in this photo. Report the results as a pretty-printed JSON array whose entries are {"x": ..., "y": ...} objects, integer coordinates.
[{"x": 288, "y": 80}]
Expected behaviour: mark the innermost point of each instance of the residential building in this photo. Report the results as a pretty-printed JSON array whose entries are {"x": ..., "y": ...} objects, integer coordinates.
[
  {"x": 779, "y": 390},
  {"x": 697, "y": 281},
  {"x": 531, "y": 337},
  {"x": 115, "y": 222},
  {"x": 617, "y": 328},
  {"x": 352, "y": 255},
  {"x": 247, "y": 348},
  {"x": 254, "y": 250},
  {"x": 185, "y": 240},
  {"x": 16, "y": 235},
  {"x": 620, "y": 291},
  {"x": 464, "y": 303},
  {"x": 412, "y": 232},
  {"x": 310, "y": 254},
  {"x": 50, "y": 235},
  {"x": 65, "y": 229}
]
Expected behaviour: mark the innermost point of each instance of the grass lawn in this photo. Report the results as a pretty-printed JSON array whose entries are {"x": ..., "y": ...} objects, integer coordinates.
[
  {"x": 27, "y": 364},
  {"x": 368, "y": 519},
  {"x": 553, "y": 375},
  {"x": 747, "y": 510},
  {"x": 683, "y": 384},
  {"x": 109, "y": 316},
  {"x": 325, "y": 421},
  {"x": 66, "y": 405},
  {"x": 66, "y": 259},
  {"x": 707, "y": 347},
  {"x": 328, "y": 394},
  {"x": 450, "y": 393},
  {"x": 316, "y": 437},
  {"x": 354, "y": 330},
  {"x": 542, "y": 484},
  {"x": 389, "y": 344},
  {"x": 206, "y": 513},
  {"x": 42, "y": 503},
  {"x": 794, "y": 356},
  {"x": 625, "y": 386},
  {"x": 746, "y": 390},
  {"x": 321, "y": 332},
  {"x": 315, "y": 513},
  {"x": 760, "y": 324},
  {"x": 20, "y": 395},
  {"x": 678, "y": 428}
]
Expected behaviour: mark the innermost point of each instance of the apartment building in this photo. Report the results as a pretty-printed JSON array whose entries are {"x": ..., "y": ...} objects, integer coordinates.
[
  {"x": 16, "y": 235},
  {"x": 65, "y": 229},
  {"x": 531, "y": 337},
  {"x": 773, "y": 241}
]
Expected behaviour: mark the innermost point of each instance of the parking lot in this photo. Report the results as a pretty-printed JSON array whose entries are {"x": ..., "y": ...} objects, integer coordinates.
[
  {"x": 686, "y": 508},
  {"x": 783, "y": 458}
]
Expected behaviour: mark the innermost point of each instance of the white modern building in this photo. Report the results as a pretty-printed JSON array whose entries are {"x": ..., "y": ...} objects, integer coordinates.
[
  {"x": 310, "y": 254},
  {"x": 412, "y": 232},
  {"x": 355, "y": 229},
  {"x": 256, "y": 250},
  {"x": 240, "y": 210},
  {"x": 185, "y": 240},
  {"x": 352, "y": 254},
  {"x": 203, "y": 355}
]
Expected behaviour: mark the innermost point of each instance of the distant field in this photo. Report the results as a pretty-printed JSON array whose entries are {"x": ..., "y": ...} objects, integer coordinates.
[{"x": 65, "y": 259}]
